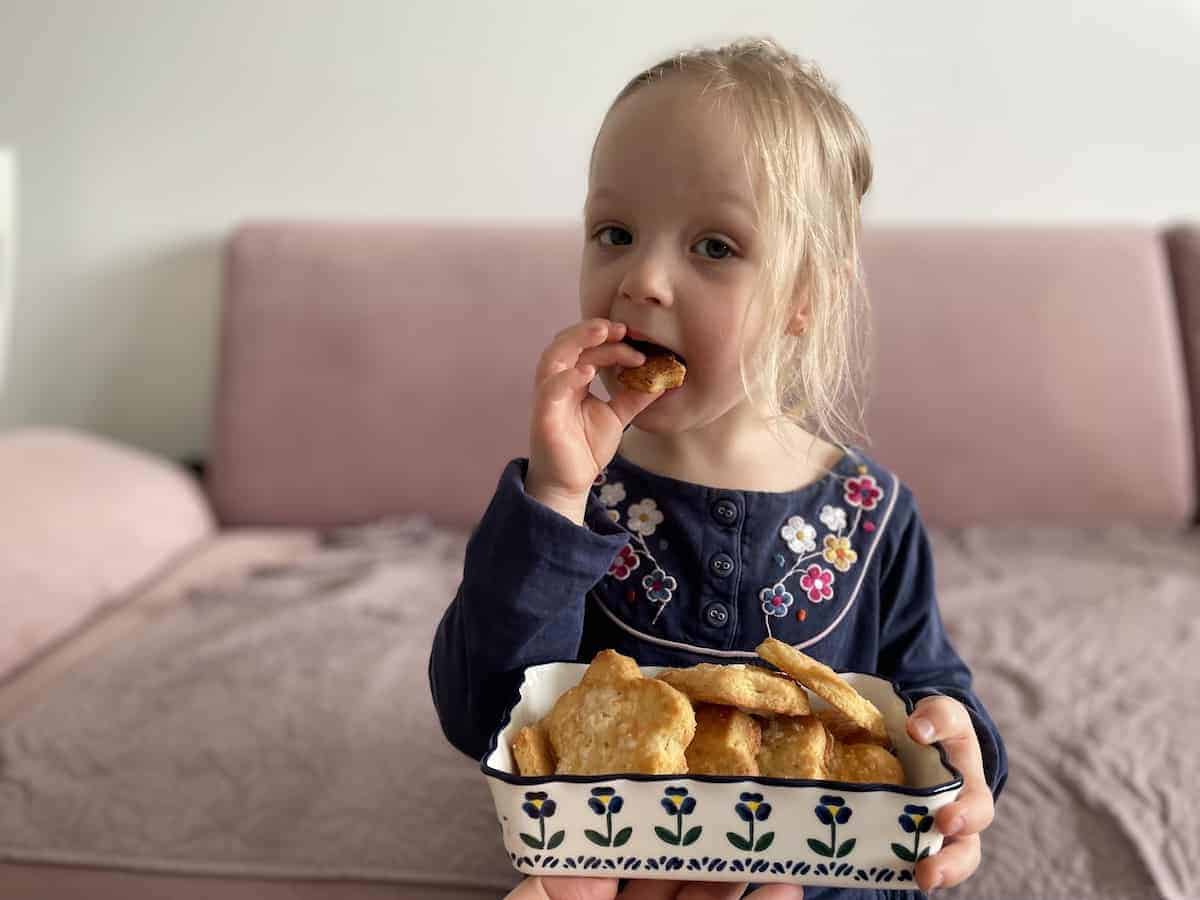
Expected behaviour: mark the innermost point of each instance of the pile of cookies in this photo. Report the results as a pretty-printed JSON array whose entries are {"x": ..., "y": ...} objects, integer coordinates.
[{"x": 712, "y": 720}]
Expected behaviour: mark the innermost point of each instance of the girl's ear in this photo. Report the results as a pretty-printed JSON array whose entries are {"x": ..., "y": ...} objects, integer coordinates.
[{"x": 798, "y": 324}]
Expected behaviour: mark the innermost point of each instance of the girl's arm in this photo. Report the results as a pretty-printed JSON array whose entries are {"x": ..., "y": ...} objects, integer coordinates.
[
  {"x": 526, "y": 572},
  {"x": 915, "y": 651}
]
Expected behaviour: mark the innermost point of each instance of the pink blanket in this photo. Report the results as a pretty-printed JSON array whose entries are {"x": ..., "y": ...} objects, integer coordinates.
[{"x": 284, "y": 727}]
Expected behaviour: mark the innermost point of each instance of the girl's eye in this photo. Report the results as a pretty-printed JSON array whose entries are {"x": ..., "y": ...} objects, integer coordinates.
[
  {"x": 615, "y": 236},
  {"x": 713, "y": 248}
]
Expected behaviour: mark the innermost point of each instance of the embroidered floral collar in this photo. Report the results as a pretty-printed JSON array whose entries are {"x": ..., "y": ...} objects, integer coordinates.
[{"x": 818, "y": 561}]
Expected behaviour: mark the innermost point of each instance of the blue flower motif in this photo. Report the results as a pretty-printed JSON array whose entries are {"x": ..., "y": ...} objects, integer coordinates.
[
  {"x": 538, "y": 806},
  {"x": 677, "y": 801},
  {"x": 916, "y": 819},
  {"x": 775, "y": 601},
  {"x": 833, "y": 809},
  {"x": 659, "y": 585},
  {"x": 605, "y": 799},
  {"x": 752, "y": 807}
]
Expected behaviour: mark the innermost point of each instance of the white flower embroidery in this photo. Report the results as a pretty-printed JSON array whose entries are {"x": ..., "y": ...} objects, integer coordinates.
[
  {"x": 816, "y": 583},
  {"x": 833, "y": 517},
  {"x": 644, "y": 517},
  {"x": 612, "y": 494},
  {"x": 613, "y": 514},
  {"x": 800, "y": 536}
]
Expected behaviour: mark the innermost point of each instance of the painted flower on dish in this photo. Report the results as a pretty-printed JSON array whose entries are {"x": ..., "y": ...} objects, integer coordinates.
[
  {"x": 539, "y": 807},
  {"x": 833, "y": 812},
  {"x": 916, "y": 821},
  {"x": 607, "y": 802},
  {"x": 751, "y": 808},
  {"x": 678, "y": 801}
]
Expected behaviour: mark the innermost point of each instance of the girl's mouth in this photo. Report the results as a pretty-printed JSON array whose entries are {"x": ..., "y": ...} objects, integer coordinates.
[{"x": 651, "y": 349}]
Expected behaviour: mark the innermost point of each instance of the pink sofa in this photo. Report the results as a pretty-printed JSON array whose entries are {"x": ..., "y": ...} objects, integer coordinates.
[{"x": 1022, "y": 378}]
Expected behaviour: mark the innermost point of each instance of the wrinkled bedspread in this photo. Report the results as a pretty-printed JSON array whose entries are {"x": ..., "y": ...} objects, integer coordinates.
[{"x": 284, "y": 727}]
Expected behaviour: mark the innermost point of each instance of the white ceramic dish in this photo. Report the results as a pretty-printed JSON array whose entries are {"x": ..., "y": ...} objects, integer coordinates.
[{"x": 718, "y": 828}]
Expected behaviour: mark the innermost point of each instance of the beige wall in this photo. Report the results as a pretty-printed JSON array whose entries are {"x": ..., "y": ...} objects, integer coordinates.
[{"x": 145, "y": 130}]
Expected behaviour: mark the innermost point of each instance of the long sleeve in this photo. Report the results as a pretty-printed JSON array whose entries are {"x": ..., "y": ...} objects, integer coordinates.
[
  {"x": 526, "y": 572},
  {"x": 915, "y": 651}
]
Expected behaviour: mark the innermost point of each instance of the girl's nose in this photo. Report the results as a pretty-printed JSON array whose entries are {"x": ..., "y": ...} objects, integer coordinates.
[{"x": 647, "y": 279}]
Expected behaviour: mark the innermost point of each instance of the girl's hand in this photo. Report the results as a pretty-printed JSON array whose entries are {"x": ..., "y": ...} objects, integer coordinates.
[
  {"x": 560, "y": 888},
  {"x": 573, "y": 435},
  {"x": 963, "y": 820}
]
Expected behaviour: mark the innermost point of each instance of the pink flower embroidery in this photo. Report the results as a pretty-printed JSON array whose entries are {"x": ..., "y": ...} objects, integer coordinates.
[
  {"x": 818, "y": 583},
  {"x": 626, "y": 561},
  {"x": 863, "y": 492}
]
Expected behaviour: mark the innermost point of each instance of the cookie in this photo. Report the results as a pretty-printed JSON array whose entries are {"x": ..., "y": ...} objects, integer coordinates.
[
  {"x": 865, "y": 764},
  {"x": 727, "y": 742},
  {"x": 825, "y": 683},
  {"x": 846, "y": 730},
  {"x": 615, "y": 721},
  {"x": 794, "y": 747},
  {"x": 751, "y": 689},
  {"x": 532, "y": 751},
  {"x": 658, "y": 373}
]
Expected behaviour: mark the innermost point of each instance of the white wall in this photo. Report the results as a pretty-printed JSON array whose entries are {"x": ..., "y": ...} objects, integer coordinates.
[{"x": 145, "y": 130}]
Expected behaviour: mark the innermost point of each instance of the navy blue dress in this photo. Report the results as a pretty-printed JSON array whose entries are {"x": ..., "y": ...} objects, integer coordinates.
[{"x": 673, "y": 574}]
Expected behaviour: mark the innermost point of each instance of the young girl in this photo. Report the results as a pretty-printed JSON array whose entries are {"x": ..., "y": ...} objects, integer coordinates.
[{"x": 722, "y": 222}]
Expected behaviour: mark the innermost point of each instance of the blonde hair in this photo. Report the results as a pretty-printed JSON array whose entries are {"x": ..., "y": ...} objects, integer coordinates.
[{"x": 812, "y": 160}]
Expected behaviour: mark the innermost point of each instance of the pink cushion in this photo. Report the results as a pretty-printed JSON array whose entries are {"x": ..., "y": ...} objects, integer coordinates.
[
  {"x": 1022, "y": 375},
  {"x": 367, "y": 369},
  {"x": 1032, "y": 375},
  {"x": 82, "y": 522}
]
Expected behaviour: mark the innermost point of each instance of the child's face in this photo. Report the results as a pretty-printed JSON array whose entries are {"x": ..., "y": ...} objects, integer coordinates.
[{"x": 671, "y": 247}]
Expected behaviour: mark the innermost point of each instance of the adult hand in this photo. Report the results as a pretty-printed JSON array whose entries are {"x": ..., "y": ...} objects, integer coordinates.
[
  {"x": 572, "y": 888},
  {"x": 945, "y": 719}
]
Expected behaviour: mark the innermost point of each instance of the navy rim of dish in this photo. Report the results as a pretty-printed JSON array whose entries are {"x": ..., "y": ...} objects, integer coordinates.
[{"x": 843, "y": 786}]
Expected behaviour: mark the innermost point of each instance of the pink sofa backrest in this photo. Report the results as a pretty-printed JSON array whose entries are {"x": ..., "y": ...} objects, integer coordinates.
[{"x": 1021, "y": 375}]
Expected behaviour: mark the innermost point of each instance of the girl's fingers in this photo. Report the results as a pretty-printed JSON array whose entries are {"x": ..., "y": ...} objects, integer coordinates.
[
  {"x": 564, "y": 888},
  {"x": 778, "y": 892},
  {"x": 706, "y": 890},
  {"x": 971, "y": 813},
  {"x": 712, "y": 890},
  {"x": 953, "y": 864},
  {"x": 566, "y": 346},
  {"x": 655, "y": 889},
  {"x": 951, "y": 725},
  {"x": 612, "y": 355},
  {"x": 627, "y": 404},
  {"x": 567, "y": 385}
]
